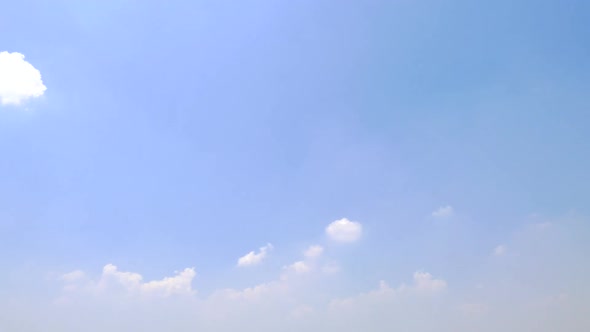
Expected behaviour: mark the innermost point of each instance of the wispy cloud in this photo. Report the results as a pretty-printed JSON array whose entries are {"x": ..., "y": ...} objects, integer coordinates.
[{"x": 253, "y": 258}]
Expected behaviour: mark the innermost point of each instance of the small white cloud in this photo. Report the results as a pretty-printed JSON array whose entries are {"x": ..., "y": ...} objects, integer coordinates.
[
  {"x": 253, "y": 258},
  {"x": 179, "y": 284},
  {"x": 424, "y": 281},
  {"x": 112, "y": 276},
  {"x": 299, "y": 267},
  {"x": 443, "y": 212},
  {"x": 344, "y": 230},
  {"x": 113, "y": 280},
  {"x": 19, "y": 80},
  {"x": 500, "y": 250},
  {"x": 314, "y": 251}
]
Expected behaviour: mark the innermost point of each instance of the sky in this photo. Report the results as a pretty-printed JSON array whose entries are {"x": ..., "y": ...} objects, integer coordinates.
[{"x": 294, "y": 165}]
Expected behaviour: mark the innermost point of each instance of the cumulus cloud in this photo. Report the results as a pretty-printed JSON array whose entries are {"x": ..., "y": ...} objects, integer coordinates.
[
  {"x": 425, "y": 282},
  {"x": 179, "y": 284},
  {"x": 314, "y": 251},
  {"x": 443, "y": 212},
  {"x": 544, "y": 290},
  {"x": 253, "y": 258},
  {"x": 299, "y": 267},
  {"x": 113, "y": 281},
  {"x": 309, "y": 263},
  {"x": 344, "y": 230},
  {"x": 112, "y": 277},
  {"x": 19, "y": 80}
]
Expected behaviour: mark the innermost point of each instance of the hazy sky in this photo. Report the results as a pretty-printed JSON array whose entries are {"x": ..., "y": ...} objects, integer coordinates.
[{"x": 294, "y": 165}]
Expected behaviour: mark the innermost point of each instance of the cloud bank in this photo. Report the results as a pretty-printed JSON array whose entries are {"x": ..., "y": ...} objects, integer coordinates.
[{"x": 541, "y": 287}]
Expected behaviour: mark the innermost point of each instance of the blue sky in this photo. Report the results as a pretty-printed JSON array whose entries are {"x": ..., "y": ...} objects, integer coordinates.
[{"x": 187, "y": 134}]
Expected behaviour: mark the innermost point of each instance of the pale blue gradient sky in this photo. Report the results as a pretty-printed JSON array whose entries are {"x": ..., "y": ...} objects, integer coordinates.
[{"x": 188, "y": 133}]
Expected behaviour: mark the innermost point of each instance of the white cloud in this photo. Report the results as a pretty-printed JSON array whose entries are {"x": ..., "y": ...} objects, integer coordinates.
[
  {"x": 344, "y": 230},
  {"x": 500, "y": 250},
  {"x": 253, "y": 258},
  {"x": 314, "y": 251},
  {"x": 443, "y": 212},
  {"x": 112, "y": 277},
  {"x": 179, "y": 284},
  {"x": 299, "y": 267},
  {"x": 19, "y": 80},
  {"x": 425, "y": 282},
  {"x": 543, "y": 291},
  {"x": 115, "y": 281}
]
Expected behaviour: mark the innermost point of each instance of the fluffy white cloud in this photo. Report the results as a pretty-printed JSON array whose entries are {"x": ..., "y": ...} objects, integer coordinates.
[
  {"x": 19, "y": 80},
  {"x": 500, "y": 250},
  {"x": 299, "y": 267},
  {"x": 344, "y": 230},
  {"x": 112, "y": 277},
  {"x": 314, "y": 251},
  {"x": 179, "y": 284},
  {"x": 443, "y": 212},
  {"x": 544, "y": 290},
  {"x": 425, "y": 282},
  {"x": 253, "y": 258},
  {"x": 112, "y": 280}
]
